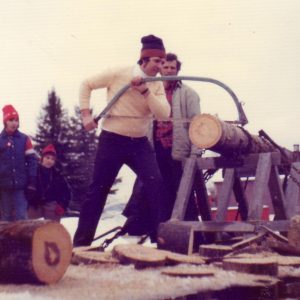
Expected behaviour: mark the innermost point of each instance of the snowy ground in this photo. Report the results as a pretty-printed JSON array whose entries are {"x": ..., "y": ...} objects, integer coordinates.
[
  {"x": 90, "y": 282},
  {"x": 122, "y": 282}
]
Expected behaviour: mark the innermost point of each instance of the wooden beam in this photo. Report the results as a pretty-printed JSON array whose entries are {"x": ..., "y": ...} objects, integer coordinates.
[
  {"x": 240, "y": 197},
  {"x": 224, "y": 195},
  {"x": 277, "y": 195},
  {"x": 261, "y": 182},
  {"x": 292, "y": 193},
  {"x": 185, "y": 187}
]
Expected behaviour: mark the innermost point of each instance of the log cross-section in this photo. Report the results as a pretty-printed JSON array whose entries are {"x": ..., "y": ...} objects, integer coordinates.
[{"x": 34, "y": 251}]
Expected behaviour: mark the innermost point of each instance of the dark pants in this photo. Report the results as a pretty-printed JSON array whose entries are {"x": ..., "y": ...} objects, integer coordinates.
[
  {"x": 137, "y": 211},
  {"x": 113, "y": 151}
]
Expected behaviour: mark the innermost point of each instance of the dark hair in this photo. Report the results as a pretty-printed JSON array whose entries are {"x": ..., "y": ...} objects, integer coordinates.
[
  {"x": 144, "y": 59},
  {"x": 171, "y": 57}
]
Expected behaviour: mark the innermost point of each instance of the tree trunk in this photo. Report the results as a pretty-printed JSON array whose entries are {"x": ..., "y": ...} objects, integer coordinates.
[
  {"x": 208, "y": 132},
  {"x": 33, "y": 251}
]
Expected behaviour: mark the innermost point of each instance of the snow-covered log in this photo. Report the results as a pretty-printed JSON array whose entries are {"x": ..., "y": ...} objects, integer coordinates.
[{"x": 33, "y": 251}]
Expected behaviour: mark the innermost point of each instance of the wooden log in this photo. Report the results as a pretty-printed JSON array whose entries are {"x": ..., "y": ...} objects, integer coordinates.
[
  {"x": 209, "y": 132},
  {"x": 294, "y": 232},
  {"x": 259, "y": 266},
  {"x": 176, "y": 236},
  {"x": 34, "y": 251}
]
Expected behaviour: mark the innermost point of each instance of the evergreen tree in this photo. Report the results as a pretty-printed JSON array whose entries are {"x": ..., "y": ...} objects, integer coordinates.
[
  {"x": 81, "y": 156},
  {"x": 76, "y": 148},
  {"x": 53, "y": 128}
]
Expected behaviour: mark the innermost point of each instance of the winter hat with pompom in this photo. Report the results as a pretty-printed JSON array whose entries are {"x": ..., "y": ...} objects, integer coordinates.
[
  {"x": 49, "y": 149},
  {"x": 9, "y": 112},
  {"x": 152, "y": 47}
]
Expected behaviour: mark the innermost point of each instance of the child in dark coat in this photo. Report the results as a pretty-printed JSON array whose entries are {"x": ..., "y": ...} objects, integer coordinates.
[
  {"x": 53, "y": 194},
  {"x": 18, "y": 167}
]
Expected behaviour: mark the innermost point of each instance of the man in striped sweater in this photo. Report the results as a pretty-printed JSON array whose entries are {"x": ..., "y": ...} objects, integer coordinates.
[{"x": 123, "y": 138}]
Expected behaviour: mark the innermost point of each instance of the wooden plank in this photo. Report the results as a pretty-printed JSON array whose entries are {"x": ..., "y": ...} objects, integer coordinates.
[
  {"x": 236, "y": 226},
  {"x": 277, "y": 195},
  {"x": 185, "y": 187},
  {"x": 224, "y": 195},
  {"x": 274, "y": 234},
  {"x": 261, "y": 182},
  {"x": 213, "y": 226},
  {"x": 254, "y": 239},
  {"x": 240, "y": 197},
  {"x": 202, "y": 197},
  {"x": 292, "y": 193},
  {"x": 243, "y": 162}
]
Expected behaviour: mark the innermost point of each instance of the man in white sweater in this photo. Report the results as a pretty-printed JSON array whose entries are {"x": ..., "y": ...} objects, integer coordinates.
[{"x": 123, "y": 139}]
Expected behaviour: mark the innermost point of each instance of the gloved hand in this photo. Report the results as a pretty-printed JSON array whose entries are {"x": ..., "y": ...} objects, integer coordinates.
[
  {"x": 30, "y": 194},
  {"x": 59, "y": 210}
]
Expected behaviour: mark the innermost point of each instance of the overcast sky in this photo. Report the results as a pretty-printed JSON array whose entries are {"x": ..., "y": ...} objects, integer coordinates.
[{"x": 253, "y": 46}]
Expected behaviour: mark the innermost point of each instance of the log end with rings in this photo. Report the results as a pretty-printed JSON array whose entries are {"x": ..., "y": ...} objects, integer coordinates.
[
  {"x": 34, "y": 251},
  {"x": 205, "y": 131}
]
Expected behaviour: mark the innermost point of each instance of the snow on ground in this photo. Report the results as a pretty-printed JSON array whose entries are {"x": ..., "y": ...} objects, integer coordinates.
[{"x": 123, "y": 282}]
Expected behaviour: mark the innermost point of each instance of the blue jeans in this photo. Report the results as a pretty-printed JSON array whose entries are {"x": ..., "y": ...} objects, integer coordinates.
[
  {"x": 13, "y": 205},
  {"x": 113, "y": 151}
]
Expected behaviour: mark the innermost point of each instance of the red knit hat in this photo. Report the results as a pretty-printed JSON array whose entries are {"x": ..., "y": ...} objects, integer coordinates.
[
  {"x": 152, "y": 46},
  {"x": 49, "y": 149},
  {"x": 9, "y": 112}
]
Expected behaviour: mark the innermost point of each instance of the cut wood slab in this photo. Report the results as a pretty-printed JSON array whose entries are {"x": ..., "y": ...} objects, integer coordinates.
[
  {"x": 288, "y": 261},
  {"x": 189, "y": 272},
  {"x": 140, "y": 256},
  {"x": 259, "y": 266},
  {"x": 93, "y": 257},
  {"x": 214, "y": 250},
  {"x": 175, "y": 258},
  {"x": 34, "y": 251}
]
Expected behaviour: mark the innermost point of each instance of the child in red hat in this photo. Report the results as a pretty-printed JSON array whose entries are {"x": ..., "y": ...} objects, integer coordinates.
[
  {"x": 53, "y": 194},
  {"x": 18, "y": 167}
]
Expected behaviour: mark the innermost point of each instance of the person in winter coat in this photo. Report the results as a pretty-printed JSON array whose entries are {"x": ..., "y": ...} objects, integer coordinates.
[
  {"x": 52, "y": 193},
  {"x": 18, "y": 167},
  {"x": 172, "y": 145},
  {"x": 123, "y": 139}
]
